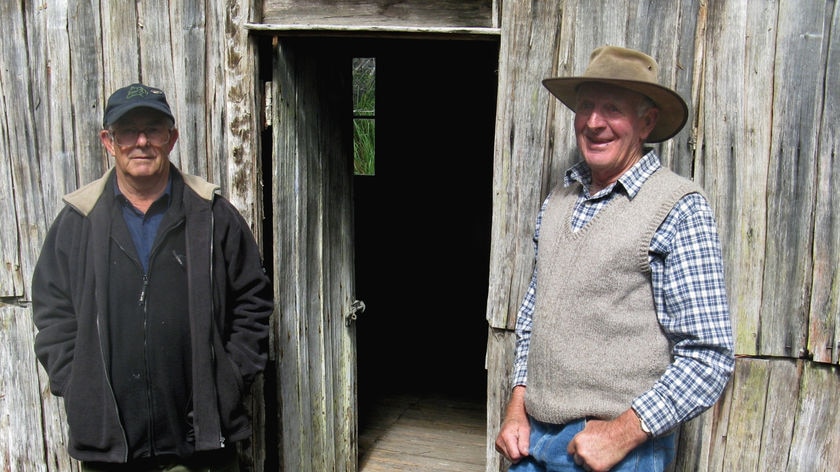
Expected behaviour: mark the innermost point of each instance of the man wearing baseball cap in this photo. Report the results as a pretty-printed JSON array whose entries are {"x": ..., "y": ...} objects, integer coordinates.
[
  {"x": 624, "y": 332},
  {"x": 151, "y": 304}
]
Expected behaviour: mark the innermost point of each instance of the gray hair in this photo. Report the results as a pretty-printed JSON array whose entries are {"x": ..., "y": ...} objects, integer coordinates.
[{"x": 645, "y": 104}]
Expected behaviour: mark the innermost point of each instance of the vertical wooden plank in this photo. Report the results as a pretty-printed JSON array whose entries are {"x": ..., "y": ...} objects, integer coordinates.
[
  {"x": 11, "y": 276},
  {"x": 824, "y": 326},
  {"x": 289, "y": 276},
  {"x": 790, "y": 190},
  {"x": 197, "y": 48},
  {"x": 51, "y": 42},
  {"x": 673, "y": 44},
  {"x": 156, "y": 56},
  {"x": 749, "y": 395},
  {"x": 733, "y": 149},
  {"x": 233, "y": 141},
  {"x": 779, "y": 412},
  {"x": 682, "y": 67},
  {"x": 714, "y": 438},
  {"x": 336, "y": 142},
  {"x": 156, "y": 41},
  {"x": 75, "y": 77},
  {"x": 240, "y": 103},
  {"x": 313, "y": 256},
  {"x": 19, "y": 399},
  {"x": 199, "y": 83},
  {"x": 312, "y": 293},
  {"x": 18, "y": 143},
  {"x": 528, "y": 44},
  {"x": 120, "y": 46},
  {"x": 501, "y": 344},
  {"x": 814, "y": 443}
]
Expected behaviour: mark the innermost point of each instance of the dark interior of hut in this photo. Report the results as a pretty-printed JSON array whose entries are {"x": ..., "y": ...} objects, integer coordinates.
[{"x": 423, "y": 220}]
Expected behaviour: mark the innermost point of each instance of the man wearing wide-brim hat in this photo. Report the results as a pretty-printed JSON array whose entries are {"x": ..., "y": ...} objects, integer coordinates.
[{"x": 624, "y": 333}]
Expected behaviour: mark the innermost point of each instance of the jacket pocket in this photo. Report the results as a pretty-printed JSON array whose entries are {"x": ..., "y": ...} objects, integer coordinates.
[{"x": 230, "y": 391}]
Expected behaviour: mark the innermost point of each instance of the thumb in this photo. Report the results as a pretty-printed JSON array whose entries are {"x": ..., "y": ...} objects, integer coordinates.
[{"x": 522, "y": 442}]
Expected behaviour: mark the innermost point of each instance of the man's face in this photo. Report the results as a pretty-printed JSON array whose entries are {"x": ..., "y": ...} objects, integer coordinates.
[
  {"x": 609, "y": 130},
  {"x": 141, "y": 142}
]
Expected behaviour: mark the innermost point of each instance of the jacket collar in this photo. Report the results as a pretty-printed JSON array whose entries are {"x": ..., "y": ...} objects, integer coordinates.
[{"x": 85, "y": 198}]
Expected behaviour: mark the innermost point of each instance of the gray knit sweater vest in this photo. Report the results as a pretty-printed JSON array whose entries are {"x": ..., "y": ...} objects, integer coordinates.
[{"x": 596, "y": 342}]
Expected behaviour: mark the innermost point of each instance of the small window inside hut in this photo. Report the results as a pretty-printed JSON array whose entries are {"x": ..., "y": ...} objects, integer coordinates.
[{"x": 364, "y": 115}]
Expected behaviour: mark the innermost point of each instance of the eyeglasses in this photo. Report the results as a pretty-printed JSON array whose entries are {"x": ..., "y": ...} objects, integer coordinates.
[{"x": 155, "y": 135}]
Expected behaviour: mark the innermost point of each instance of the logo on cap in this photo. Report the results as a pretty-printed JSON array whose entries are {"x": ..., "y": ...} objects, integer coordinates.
[{"x": 136, "y": 91}]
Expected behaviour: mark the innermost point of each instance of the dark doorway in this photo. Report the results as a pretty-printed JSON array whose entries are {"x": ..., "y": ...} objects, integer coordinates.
[{"x": 422, "y": 222}]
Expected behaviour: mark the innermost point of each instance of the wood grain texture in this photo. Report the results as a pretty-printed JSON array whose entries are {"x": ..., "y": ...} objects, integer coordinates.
[
  {"x": 19, "y": 399},
  {"x": 389, "y": 13},
  {"x": 824, "y": 326},
  {"x": 314, "y": 261},
  {"x": 761, "y": 81},
  {"x": 790, "y": 216},
  {"x": 733, "y": 150}
]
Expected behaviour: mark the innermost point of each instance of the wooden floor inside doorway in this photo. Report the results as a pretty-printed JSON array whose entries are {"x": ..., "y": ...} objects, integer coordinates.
[{"x": 422, "y": 432}]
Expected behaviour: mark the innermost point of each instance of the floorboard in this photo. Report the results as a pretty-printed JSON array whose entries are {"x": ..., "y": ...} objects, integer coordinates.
[{"x": 422, "y": 432}]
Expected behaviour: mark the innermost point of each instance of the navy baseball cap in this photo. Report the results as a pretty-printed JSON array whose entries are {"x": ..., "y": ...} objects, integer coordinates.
[{"x": 135, "y": 96}]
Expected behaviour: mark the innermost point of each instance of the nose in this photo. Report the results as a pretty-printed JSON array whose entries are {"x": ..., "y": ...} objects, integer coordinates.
[
  {"x": 145, "y": 138},
  {"x": 594, "y": 120}
]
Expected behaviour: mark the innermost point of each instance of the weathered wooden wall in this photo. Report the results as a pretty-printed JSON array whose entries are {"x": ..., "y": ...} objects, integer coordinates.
[
  {"x": 380, "y": 13},
  {"x": 59, "y": 61},
  {"x": 761, "y": 79}
]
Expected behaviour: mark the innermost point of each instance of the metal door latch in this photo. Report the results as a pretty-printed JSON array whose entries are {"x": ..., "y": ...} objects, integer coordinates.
[{"x": 356, "y": 308}]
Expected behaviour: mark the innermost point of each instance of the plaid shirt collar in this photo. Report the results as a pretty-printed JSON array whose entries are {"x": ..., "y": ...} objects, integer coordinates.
[{"x": 631, "y": 181}]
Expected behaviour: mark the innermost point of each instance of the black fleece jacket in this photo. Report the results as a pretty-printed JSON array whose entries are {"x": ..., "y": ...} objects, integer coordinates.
[{"x": 229, "y": 301}]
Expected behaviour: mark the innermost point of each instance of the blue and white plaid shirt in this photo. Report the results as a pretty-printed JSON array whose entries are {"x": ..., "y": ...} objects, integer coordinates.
[{"x": 689, "y": 294}]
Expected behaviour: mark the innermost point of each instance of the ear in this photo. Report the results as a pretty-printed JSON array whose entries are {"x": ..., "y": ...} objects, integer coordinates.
[
  {"x": 105, "y": 138},
  {"x": 173, "y": 138},
  {"x": 649, "y": 122}
]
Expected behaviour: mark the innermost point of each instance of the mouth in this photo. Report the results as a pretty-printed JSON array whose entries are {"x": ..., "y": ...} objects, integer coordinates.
[{"x": 595, "y": 141}]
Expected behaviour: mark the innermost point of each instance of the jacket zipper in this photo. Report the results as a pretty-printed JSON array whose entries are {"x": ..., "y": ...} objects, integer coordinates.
[
  {"x": 213, "y": 317},
  {"x": 151, "y": 419},
  {"x": 143, "y": 302}
]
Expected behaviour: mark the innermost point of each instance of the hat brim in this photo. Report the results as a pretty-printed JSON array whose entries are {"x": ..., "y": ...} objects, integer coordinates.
[
  {"x": 116, "y": 113},
  {"x": 673, "y": 111}
]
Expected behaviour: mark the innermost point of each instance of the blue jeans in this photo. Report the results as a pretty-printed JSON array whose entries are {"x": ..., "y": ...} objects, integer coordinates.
[{"x": 548, "y": 443}]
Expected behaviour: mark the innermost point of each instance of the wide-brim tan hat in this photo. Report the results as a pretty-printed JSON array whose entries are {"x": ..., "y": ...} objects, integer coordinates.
[{"x": 632, "y": 70}]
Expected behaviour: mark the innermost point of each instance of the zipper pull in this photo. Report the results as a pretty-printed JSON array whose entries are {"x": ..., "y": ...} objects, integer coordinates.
[
  {"x": 143, "y": 290},
  {"x": 178, "y": 258}
]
